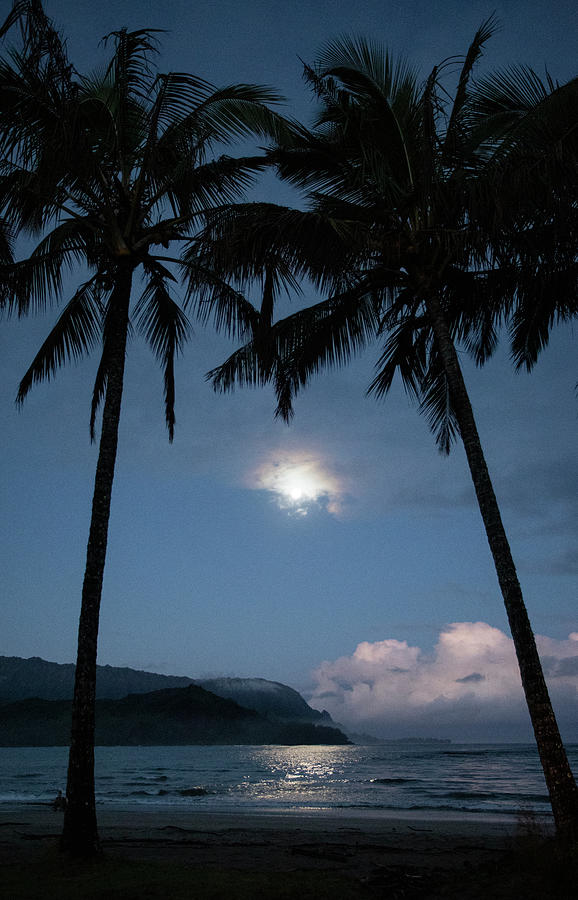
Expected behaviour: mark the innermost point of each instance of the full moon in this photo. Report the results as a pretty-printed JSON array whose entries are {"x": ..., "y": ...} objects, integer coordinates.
[{"x": 300, "y": 483}]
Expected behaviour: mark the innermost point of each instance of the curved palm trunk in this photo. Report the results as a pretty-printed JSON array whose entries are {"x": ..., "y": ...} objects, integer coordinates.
[
  {"x": 80, "y": 832},
  {"x": 559, "y": 779}
]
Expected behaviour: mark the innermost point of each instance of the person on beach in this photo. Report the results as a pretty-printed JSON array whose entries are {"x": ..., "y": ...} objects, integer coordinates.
[{"x": 59, "y": 803}]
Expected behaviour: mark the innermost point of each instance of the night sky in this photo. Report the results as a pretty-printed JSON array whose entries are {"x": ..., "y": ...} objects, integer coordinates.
[{"x": 341, "y": 555}]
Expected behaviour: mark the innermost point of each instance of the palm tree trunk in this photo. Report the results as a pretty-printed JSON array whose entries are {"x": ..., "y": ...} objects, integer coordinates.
[
  {"x": 559, "y": 779},
  {"x": 80, "y": 832}
]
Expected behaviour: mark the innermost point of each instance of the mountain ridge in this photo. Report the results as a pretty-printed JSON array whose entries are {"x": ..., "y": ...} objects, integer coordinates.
[
  {"x": 34, "y": 677},
  {"x": 169, "y": 717}
]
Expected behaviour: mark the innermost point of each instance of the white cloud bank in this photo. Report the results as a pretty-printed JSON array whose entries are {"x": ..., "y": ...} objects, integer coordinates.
[{"x": 468, "y": 689}]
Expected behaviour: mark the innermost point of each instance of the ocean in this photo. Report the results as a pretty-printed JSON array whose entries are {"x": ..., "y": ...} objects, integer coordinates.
[{"x": 503, "y": 779}]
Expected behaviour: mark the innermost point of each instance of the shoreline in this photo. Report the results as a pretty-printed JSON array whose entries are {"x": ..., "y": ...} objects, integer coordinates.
[
  {"x": 138, "y": 818},
  {"x": 155, "y": 831},
  {"x": 363, "y": 814}
]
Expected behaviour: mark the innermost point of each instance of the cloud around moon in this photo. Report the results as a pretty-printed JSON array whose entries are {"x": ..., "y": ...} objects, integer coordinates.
[{"x": 299, "y": 481}]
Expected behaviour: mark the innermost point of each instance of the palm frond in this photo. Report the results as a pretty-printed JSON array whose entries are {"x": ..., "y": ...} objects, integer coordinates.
[
  {"x": 360, "y": 151},
  {"x": 475, "y": 50},
  {"x": 242, "y": 368},
  {"x": 193, "y": 190},
  {"x": 75, "y": 333},
  {"x": 477, "y": 304},
  {"x": 213, "y": 299},
  {"x": 436, "y": 404},
  {"x": 239, "y": 111},
  {"x": 510, "y": 92},
  {"x": 36, "y": 282},
  {"x": 404, "y": 353},
  {"x": 430, "y": 140},
  {"x": 298, "y": 346},
  {"x": 6, "y": 261},
  {"x": 242, "y": 242},
  {"x": 130, "y": 67},
  {"x": 43, "y": 45},
  {"x": 166, "y": 329},
  {"x": 330, "y": 332},
  {"x": 550, "y": 298},
  {"x": 361, "y": 64},
  {"x": 218, "y": 116}
]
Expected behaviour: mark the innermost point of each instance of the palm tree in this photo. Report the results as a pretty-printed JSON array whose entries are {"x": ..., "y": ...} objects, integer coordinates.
[
  {"x": 404, "y": 235},
  {"x": 112, "y": 171}
]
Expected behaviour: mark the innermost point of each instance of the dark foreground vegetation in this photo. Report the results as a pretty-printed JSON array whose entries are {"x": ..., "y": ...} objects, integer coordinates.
[{"x": 529, "y": 870}]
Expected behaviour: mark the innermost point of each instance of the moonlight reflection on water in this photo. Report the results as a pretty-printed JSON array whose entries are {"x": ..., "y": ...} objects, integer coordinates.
[{"x": 469, "y": 778}]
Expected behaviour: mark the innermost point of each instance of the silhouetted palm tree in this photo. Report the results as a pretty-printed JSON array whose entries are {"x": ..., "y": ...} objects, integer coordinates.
[
  {"x": 112, "y": 171},
  {"x": 406, "y": 235}
]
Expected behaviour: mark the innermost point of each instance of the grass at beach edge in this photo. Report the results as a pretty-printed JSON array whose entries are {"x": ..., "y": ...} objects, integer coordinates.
[
  {"x": 113, "y": 877},
  {"x": 532, "y": 872}
]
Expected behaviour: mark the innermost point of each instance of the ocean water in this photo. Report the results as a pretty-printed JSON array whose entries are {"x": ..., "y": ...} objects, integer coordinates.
[{"x": 476, "y": 778}]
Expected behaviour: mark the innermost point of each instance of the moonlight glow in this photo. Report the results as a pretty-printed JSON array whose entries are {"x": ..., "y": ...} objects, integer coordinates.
[{"x": 299, "y": 483}]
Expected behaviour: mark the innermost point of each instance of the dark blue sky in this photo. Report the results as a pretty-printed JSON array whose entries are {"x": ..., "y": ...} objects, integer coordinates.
[{"x": 210, "y": 571}]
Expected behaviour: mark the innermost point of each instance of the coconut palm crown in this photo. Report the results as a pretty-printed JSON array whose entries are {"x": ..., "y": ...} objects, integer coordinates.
[
  {"x": 109, "y": 173},
  {"x": 420, "y": 234}
]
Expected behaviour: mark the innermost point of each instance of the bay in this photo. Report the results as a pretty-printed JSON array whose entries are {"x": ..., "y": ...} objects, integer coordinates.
[{"x": 420, "y": 776}]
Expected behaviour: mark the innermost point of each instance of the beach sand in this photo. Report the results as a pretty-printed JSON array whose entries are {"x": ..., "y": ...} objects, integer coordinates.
[{"x": 286, "y": 854}]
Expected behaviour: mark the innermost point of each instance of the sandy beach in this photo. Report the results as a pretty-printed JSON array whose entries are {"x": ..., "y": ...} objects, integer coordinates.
[{"x": 394, "y": 856}]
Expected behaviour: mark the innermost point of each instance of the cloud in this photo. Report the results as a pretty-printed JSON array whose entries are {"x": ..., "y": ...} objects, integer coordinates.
[
  {"x": 468, "y": 679},
  {"x": 468, "y": 688},
  {"x": 552, "y": 479},
  {"x": 563, "y": 562},
  {"x": 299, "y": 480}
]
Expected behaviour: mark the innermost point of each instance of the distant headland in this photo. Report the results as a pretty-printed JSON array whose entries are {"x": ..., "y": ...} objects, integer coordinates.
[{"x": 143, "y": 708}]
